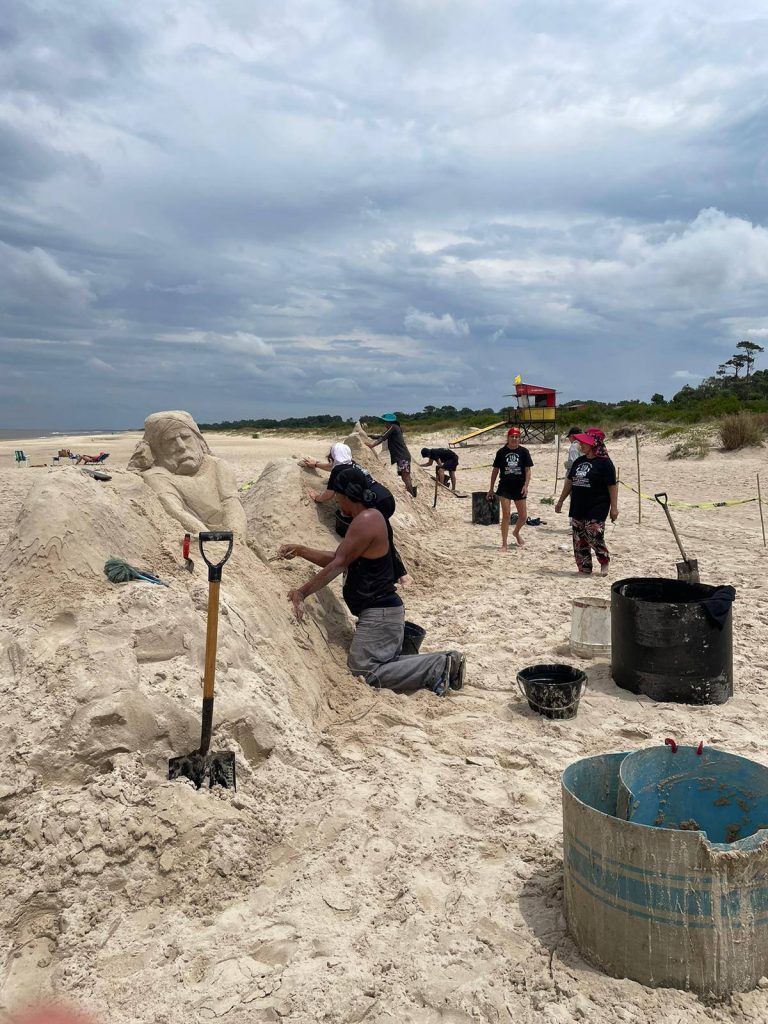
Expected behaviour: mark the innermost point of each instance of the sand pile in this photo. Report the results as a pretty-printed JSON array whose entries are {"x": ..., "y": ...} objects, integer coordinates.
[
  {"x": 100, "y": 685},
  {"x": 279, "y": 510}
]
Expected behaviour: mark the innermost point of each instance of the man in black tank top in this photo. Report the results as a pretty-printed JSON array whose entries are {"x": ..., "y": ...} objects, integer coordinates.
[{"x": 365, "y": 557}]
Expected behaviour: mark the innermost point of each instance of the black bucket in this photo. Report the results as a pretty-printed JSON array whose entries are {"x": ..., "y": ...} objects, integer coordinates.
[
  {"x": 554, "y": 691},
  {"x": 485, "y": 511},
  {"x": 342, "y": 523},
  {"x": 665, "y": 646},
  {"x": 413, "y": 636}
]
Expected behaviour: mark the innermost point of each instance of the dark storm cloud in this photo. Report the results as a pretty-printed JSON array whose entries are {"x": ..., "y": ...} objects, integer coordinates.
[{"x": 249, "y": 209}]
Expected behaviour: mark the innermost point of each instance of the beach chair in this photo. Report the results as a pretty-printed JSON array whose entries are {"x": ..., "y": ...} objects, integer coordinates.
[
  {"x": 92, "y": 460},
  {"x": 22, "y": 459}
]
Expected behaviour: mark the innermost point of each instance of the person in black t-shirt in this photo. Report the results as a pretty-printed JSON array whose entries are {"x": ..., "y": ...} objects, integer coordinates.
[
  {"x": 591, "y": 483},
  {"x": 513, "y": 465},
  {"x": 446, "y": 462},
  {"x": 365, "y": 557},
  {"x": 398, "y": 450},
  {"x": 340, "y": 458}
]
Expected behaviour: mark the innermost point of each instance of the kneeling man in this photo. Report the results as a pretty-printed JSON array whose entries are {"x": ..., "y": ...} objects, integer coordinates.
[{"x": 365, "y": 556}]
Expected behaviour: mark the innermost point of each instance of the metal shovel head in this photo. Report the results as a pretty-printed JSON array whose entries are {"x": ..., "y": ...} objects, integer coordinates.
[
  {"x": 218, "y": 768},
  {"x": 688, "y": 571}
]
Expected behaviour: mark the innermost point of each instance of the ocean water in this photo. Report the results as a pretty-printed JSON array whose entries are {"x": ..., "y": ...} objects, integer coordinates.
[{"x": 9, "y": 432}]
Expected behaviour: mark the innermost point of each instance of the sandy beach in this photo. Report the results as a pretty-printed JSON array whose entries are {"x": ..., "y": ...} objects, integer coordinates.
[{"x": 384, "y": 858}]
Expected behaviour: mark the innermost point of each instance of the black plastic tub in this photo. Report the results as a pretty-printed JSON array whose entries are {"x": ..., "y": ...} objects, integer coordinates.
[
  {"x": 485, "y": 510},
  {"x": 553, "y": 691},
  {"x": 413, "y": 637},
  {"x": 342, "y": 523},
  {"x": 665, "y": 646}
]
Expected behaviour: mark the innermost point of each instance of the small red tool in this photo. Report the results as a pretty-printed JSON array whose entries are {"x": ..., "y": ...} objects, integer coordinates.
[{"x": 188, "y": 563}]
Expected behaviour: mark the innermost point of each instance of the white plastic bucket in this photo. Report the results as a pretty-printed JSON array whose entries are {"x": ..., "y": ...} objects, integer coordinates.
[{"x": 591, "y": 626}]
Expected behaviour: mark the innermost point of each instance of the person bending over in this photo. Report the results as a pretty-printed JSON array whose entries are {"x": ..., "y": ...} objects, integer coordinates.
[
  {"x": 398, "y": 450},
  {"x": 513, "y": 464},
  {"x": 340, "y": 458},
  {"x": 365, "y": 557},
  {"x": 594, "y": 492},
  {"x": 446, "y": 461}
]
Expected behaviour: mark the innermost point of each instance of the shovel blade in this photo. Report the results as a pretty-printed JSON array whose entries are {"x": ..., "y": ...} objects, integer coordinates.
[
  {"x": 688, "y": 571},
  {"x": 218, "y": 768}
]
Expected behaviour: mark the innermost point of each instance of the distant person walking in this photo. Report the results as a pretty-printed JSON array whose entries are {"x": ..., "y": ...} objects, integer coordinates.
[
  {"x": 594, "y": 492},
  {"x": 446, "y": 461},
  {"x": 573, "y": 448},
  {"x": 398, "y": 450},
  {"x": 513, "y": 465}
]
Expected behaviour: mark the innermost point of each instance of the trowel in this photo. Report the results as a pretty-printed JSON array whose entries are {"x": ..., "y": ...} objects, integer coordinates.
[{"x": 688, "y": 569}]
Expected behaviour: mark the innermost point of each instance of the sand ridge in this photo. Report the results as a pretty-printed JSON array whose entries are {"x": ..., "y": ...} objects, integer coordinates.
[{"x": 384, "y": 858}]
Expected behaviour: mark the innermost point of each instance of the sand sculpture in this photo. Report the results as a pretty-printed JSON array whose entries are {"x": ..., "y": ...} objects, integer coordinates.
[{"x": 193, "y": 486}]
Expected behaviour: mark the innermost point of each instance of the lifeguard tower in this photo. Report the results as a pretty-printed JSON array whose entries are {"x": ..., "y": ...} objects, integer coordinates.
[{"x": 535, "y": 414}]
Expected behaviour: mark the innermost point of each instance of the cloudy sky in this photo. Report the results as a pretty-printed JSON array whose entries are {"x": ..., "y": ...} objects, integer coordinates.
[{"x": 245, "y": 208}]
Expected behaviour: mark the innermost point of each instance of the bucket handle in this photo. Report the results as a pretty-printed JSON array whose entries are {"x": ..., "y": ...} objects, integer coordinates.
[{"x": 563, "y": 707}]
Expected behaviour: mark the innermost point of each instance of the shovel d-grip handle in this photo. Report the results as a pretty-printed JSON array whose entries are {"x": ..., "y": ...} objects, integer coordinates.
[
  {"x": 214, "y": 568},
  {"x": 664, "y": 504}
]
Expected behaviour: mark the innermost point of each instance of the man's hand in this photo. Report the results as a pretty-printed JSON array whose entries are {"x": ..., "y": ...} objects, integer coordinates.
[
  {"x": 489, "y": 495},
  {"x": 297, "y": 600},
  {"x": 314, "y": 495},
  {"x": 289, "y": 550},
  {"x": 614, "y": 514},
  {"x": 559, "y": 507},
  {"x": 524, "y": 492}
]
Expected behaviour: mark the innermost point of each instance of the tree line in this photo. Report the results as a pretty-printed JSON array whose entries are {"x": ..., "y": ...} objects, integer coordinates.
[{"x": 736, "y": 385}]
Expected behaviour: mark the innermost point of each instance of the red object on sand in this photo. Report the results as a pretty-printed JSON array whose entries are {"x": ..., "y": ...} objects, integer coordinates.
[{"x": 671, "y": 744}]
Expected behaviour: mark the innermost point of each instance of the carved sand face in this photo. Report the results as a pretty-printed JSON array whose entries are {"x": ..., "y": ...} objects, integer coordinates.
[{"x": 182, "y": 452}]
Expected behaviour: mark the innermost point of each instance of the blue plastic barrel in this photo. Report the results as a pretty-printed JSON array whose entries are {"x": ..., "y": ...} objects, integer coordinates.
[
  {"x": 663, "y": 906},
  {"x": 722, "y": 795}
]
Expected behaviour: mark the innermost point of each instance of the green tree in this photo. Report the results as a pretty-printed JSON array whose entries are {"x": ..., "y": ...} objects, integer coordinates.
[
  {"x": 749, "y": 350},
  {"x": 657, "y": 399}
]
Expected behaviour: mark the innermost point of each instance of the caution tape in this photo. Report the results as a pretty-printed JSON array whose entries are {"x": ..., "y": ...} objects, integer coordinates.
[{"x": 690, "y": 504}]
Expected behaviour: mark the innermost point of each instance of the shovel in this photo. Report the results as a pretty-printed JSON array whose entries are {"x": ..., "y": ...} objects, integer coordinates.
[
  {"x": 219, "y": 767},
  {"x": 688, "y": 569}
]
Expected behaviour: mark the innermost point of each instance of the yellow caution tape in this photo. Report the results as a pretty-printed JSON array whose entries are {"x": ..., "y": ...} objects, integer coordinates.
[{"x": 689, "y": 504}]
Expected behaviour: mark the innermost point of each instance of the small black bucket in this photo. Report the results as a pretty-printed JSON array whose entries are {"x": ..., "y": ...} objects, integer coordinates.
[
  {"x": 342, "y": 523},
  {"x": 554, "y": 691},
  {"x": 413, "y": 636},
  {"x": 485, "y": 511}
]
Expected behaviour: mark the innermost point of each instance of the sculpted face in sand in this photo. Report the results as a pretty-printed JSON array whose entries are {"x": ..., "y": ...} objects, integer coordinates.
[{"x": 193, "y": 486}]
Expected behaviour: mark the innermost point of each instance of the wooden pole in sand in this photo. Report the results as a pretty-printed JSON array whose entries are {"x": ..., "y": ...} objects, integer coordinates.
[
  {"x": 639, "y": 495},
  {"x": 557, "y": 464},
  {"x": 760, "y": 503}
]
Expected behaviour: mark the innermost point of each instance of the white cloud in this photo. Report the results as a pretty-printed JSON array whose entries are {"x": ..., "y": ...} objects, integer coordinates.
[
  {"x": 339, "y": 384},
  {"x": 686, "y": 375},
  {"x": 428, "y": 323}
]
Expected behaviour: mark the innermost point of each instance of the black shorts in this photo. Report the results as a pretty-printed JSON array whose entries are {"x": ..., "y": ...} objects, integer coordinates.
[
  {"x": 511, "y": 490},
  {"x": 450, "y": 467}
]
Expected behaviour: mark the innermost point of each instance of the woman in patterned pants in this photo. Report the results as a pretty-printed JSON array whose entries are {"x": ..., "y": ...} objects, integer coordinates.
[{"x": 591, "y": 483}]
